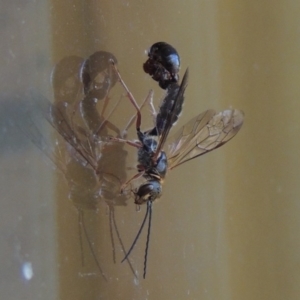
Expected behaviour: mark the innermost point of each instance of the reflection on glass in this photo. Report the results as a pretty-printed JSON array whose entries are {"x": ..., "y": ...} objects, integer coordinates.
[{"x": 93, "y": 166}]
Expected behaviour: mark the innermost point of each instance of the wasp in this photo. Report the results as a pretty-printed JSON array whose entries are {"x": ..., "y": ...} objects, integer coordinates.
[{"x": 202, "y": 134}]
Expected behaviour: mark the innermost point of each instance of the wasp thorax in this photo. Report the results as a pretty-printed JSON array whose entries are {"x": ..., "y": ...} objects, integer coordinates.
[
  {"x": 148, "y": 192},
  {"x": 146, "y": 152},
  {"x": 149, "y": 145}
]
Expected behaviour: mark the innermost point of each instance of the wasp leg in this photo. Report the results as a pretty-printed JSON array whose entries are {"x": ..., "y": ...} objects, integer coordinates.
[
  {"x": 136, "y": 176},
  {"x": 149, "y": 99},
  {"x": 130, "y": 96},
  {"x": 153, "y": 110},
  {"x": 105, "y": 103},
  {"x": 136, "y": 144},
  {"x": 105, "y": 121}
]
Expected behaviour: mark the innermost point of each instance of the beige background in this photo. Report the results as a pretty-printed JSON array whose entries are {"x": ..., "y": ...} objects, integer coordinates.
[{"x": 227, "y": 226}]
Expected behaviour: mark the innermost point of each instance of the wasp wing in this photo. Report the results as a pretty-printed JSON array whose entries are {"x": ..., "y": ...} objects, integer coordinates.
[
  {"x": 82, "y": 148},
  {"x": 202, "y": 134},
  {"x": 172, "y": 116},
  {"x": 32, "y": 124}
]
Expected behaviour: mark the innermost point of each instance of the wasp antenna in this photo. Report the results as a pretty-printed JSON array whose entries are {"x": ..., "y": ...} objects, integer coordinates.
[
  {"x": 138, "y": 235},
  {"x": 149, "y": 207}
]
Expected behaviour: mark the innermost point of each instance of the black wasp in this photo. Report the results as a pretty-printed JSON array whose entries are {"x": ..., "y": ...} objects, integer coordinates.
[{"x": 204, "y": 133}]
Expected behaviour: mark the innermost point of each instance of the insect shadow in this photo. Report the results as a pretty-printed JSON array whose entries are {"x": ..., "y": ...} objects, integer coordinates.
[{"x": 92, "y": 166}]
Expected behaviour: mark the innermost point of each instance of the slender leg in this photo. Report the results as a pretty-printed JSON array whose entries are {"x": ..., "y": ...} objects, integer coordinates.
[
  {"x": 130, "y": 96},
  {"x": 138, "y": 175},
  {"x": 105, "y": 103},
  {"x": 105, "y": 121},
  {"x": 131, "y": 143},
  {"x": 153, "y": 110},
  {"x": 147, "y": 99}
]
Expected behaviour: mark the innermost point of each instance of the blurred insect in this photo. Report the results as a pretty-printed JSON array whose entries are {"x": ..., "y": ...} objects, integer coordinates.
[
  {"x": 163, "y": 64},
  {"x": 79, "y": 85},
  {"x": 98, "y": 79},
  {"x": 92, "y": 167},
  {"x": 202, "y": 134}
]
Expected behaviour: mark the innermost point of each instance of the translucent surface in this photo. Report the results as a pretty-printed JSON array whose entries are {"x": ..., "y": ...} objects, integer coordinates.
[{"x": 228, "y": 223}]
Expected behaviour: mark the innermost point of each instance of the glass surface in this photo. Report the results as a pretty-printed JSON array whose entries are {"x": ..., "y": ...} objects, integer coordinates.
[{"x": 228, "y": 223}]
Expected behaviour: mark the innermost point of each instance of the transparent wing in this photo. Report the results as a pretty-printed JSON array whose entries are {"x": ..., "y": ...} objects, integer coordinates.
[
  {"x": 202, "y": 134},
  {"x": 83, "y": 147}
]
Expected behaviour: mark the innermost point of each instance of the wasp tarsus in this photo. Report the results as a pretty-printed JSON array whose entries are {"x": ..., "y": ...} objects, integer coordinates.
[{"x": 163, "y": 64}]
